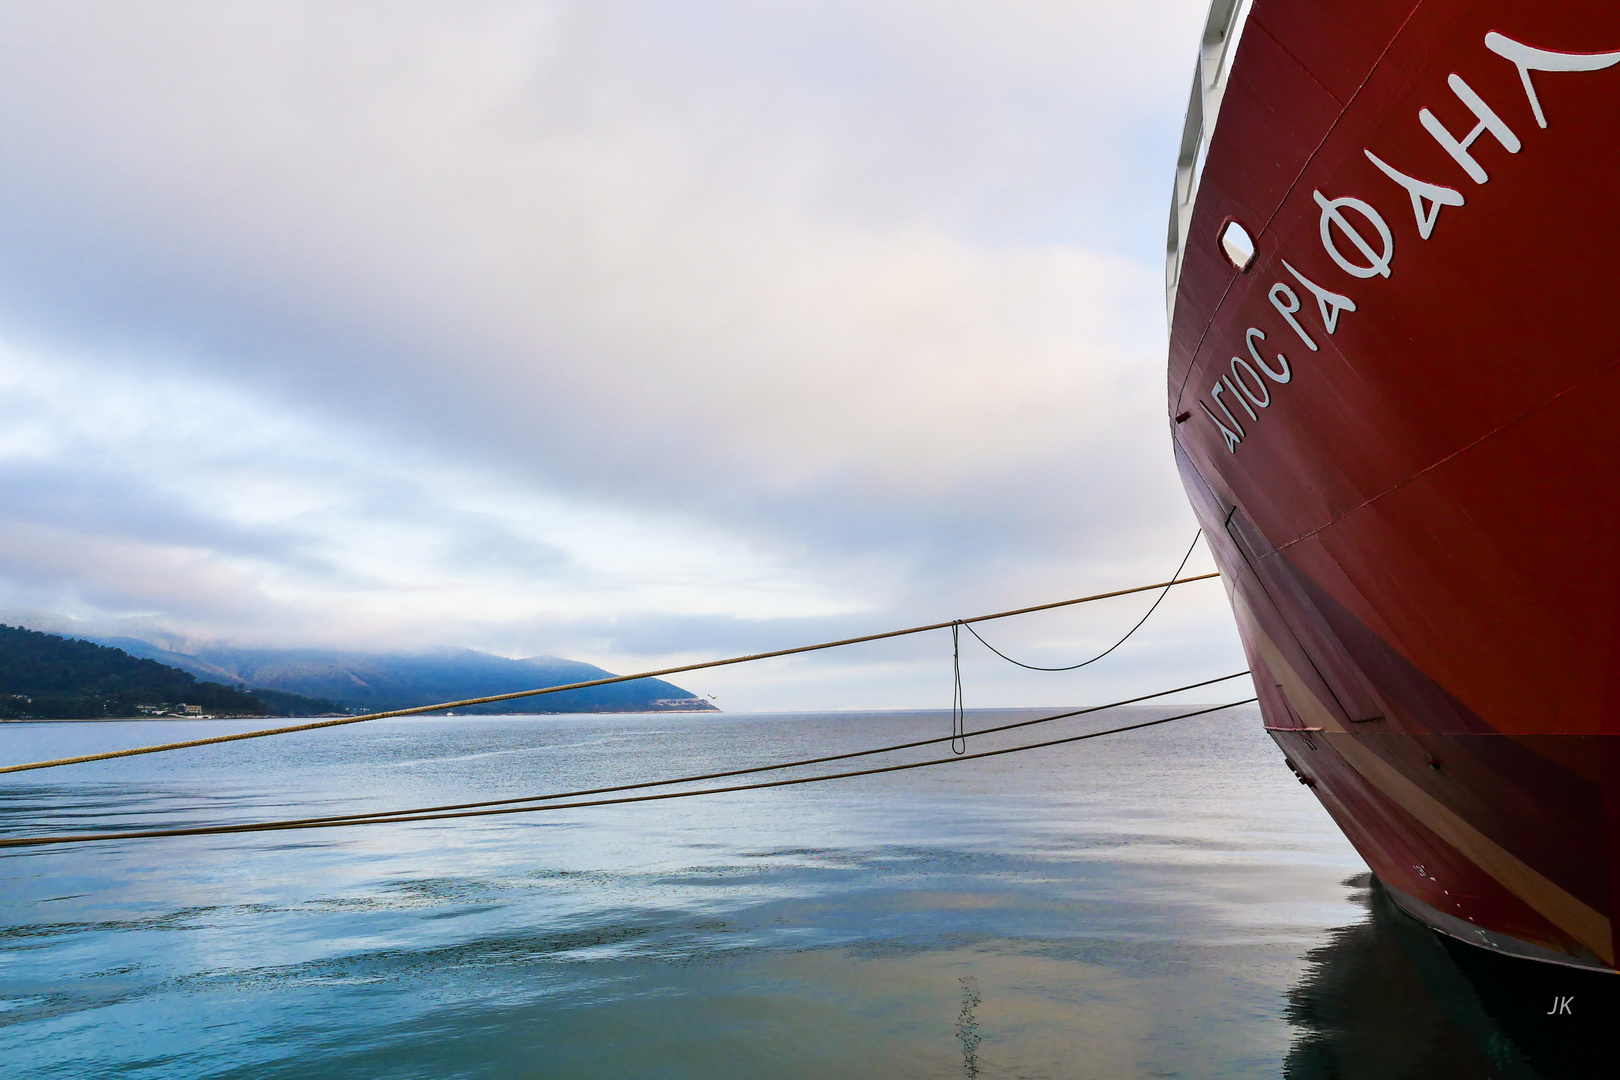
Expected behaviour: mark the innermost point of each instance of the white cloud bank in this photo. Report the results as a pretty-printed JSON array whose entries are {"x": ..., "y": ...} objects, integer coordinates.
[{"x": 614, "y": 330}]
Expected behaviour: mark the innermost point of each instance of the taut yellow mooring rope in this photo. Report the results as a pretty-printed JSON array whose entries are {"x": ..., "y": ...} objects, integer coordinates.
[
  {"x": 465, "y": 702},
  {"x": 410, "y": 816}
]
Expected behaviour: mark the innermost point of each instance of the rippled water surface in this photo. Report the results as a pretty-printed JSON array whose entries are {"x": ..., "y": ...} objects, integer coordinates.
[{"x": 1167, "y": 902}]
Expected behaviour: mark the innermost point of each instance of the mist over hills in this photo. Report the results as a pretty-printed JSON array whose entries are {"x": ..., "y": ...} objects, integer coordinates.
[
  {"x": 377, "y": 682},
  {"x": 50, "y": 677}
]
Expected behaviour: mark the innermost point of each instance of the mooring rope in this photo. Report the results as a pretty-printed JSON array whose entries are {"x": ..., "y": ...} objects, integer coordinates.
[
  {"x": 891, "y": 748},
  {"x": 1074, "y": 667},
  {"x": 413, "y": 816},
  {"x": 467, "y": 702},
  {"x": 958, "y": 701}
]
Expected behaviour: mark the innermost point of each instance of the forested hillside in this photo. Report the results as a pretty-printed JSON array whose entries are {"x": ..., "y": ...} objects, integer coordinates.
[{"x": 44, "y": 676}]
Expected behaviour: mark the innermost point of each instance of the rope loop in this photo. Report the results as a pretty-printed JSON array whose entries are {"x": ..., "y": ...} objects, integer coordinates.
[
  {"x": 1074, "y": 667},
  {"x": 610, "y": 680},
  {"x": 958, "y": 705},
  {"x": 572, "y": 800}
]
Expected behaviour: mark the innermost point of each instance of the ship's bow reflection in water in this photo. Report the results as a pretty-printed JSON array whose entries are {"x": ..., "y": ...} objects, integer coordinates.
[{"x": 1387, "y": 998}]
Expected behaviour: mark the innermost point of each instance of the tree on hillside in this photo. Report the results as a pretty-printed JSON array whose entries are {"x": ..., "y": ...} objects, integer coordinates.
[{"x": 45, "y": 676}]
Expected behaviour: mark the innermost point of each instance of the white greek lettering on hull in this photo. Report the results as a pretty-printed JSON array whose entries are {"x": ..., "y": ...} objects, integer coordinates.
[
  {"x": 1333, "y": 214},
  {"x": 1433, "y": 195},
  {"x": 1527, "y": 58},
  {"x": 1226, "y": 380},
  {"x": 1250, "y": 336},
  {"x": 1330, "y": 302},
  {"x": 1280, "y": 292},
  {"x": 1262, "y": 398},
  {"x": 1232, "y": 437},
  {"x": 1347, "y": 220},
  {"x": 1488, "y": 122}
]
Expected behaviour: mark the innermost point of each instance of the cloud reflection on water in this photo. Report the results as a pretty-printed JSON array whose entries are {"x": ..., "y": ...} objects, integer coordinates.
[{"x": 1163, "y": 903}]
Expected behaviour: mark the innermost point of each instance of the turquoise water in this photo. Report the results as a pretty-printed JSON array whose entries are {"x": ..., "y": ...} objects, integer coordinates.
[{"x": 1162, "y": 903}]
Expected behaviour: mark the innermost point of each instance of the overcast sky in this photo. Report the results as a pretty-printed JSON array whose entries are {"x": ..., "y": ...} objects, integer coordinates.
[{"x": 629, "y": 332}]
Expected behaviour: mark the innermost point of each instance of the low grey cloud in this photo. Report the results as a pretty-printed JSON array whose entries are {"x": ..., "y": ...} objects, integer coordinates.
[{"x": 617, "y": 330}]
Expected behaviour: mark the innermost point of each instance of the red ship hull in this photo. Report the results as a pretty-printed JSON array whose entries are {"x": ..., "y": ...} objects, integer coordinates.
[{"x": 1396, "y": 425}]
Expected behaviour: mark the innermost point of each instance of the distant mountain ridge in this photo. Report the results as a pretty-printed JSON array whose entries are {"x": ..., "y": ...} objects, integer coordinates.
[
  {"x": 50, "y": 677},
  {"x": 378, "y": 682}
]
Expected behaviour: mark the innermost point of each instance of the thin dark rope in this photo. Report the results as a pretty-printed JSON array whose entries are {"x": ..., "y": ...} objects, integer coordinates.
[
  {"x": 1115, "y": 645},
  {"x": 958, "y": 703},
  {"x": 610, "y": 680},
  {"x": 891, "y": 748},
  {"x": 273, "y": 826}
]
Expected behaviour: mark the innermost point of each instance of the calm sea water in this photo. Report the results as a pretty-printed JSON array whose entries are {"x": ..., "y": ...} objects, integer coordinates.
[{"x": 1164, "y": 903}]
